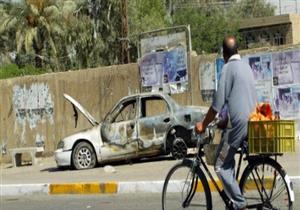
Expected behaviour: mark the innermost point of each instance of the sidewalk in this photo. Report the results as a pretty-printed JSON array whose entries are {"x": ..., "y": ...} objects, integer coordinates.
[
  {"x": 46, "y": 178},
  {"x": 141, "y": 176}
]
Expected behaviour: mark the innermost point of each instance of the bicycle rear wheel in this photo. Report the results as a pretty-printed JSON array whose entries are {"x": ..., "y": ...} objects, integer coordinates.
[
  {"x": 185, "y": 189},
  {"x": 265, "y": 186}
]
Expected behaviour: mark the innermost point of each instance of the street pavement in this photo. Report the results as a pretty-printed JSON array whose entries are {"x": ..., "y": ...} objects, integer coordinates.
[
  {"x": 146, "y": 175},
  {"x": 144, "y": 201}
]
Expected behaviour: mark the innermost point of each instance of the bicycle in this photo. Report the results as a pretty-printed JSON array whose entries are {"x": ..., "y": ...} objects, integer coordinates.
[{"x": 264, "y": 183}]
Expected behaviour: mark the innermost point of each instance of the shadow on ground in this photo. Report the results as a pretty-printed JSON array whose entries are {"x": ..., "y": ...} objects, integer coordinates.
[{"x": 116, "y": 163}]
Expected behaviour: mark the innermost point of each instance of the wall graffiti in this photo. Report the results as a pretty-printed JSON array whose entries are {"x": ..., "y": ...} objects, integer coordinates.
[{"x": 33, "y": 105}]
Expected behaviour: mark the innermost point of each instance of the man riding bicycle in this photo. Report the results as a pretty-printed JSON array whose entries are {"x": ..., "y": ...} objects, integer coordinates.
[{"x": 236, "y": 95}]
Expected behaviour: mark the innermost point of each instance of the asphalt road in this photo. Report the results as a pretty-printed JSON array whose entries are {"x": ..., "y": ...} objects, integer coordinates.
[{"x": 150, "y": 201}]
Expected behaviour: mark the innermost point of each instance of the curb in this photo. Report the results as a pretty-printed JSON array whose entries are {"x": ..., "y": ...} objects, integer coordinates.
[
  {"x": 96, "y": 188},
  {"x": 84, "y": 188},
  {"x": 24, "y": 189}
]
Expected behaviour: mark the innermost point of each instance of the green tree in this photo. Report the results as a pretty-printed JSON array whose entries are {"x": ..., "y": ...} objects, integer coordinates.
[
  {"x": 145, "y": 16},
  {"x": 92, "y": 35},
  {"x": 5, "y": 43},
  {"x": 35, "y": 23},
  {"x": 254, "y": 8},
  {"x": 69, "y": 34},
  {"x": 208, "y": 26}
]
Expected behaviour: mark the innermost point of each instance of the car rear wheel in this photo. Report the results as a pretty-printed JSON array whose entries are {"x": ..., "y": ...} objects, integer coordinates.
[
  {"x": 179, "y": 148},
  {"x": 83, "y": 156}
]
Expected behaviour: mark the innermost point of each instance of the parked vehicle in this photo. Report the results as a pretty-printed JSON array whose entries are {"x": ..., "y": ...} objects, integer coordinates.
[{"x": 139, "y": 125}]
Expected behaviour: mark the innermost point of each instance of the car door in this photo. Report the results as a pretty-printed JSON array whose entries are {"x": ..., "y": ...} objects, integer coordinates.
[
  {"x": 154, "y": 121},
  {"x": 119, "y": 131}
]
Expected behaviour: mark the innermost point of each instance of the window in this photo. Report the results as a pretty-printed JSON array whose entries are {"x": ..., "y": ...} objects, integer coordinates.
[
  {"x": 264, "y": 37},
  {"x": 154, "y": 106},
  {"x": 278, "y": 39},
  {"x": 127, "y": 111},
  {"x": 249, "y": 39}
]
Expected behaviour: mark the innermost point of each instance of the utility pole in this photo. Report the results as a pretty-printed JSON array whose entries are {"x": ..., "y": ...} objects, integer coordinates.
[
  {"x": 124, "y": 32},
  {"x": 279, "y": 7}
]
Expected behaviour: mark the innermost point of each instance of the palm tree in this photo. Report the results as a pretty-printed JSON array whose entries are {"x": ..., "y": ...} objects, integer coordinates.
[{"x": 35, "y": 23}]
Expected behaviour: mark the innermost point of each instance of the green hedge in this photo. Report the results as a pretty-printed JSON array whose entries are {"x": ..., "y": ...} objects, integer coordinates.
[{"x": 12, "y": 70}]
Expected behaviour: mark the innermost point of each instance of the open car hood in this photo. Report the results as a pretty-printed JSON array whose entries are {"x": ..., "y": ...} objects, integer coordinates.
[{"x": 78, "y": 106}]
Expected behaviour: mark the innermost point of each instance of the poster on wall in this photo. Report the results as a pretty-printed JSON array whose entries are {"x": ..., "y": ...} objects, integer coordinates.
[
  {"x": 175, "y": 65},
  {"x": 266, "y": 67},
  {"x": 287, "y": 101},
  {"x": 164, "y": 71},
  {"x": 207, "y": 81},
  {"x": 163, "y": 63},
  {"x": 286, "y": 67},
  {"x": 151, "y": 69},
  {"x": 261, "y": 66},
  {"x": 264, "y": 91},
  {"x": 219, "y": 65}
]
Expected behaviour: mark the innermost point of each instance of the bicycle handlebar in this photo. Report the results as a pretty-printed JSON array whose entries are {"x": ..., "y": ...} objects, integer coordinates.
[
  {"x": 214, "y": 123},
  {"x": 207, "y": 136}
]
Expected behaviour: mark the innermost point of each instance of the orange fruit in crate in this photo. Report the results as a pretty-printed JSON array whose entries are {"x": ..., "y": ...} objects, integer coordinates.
[
  {"x": 263, "y": 111},
  {"x": 266, "y": 110}
]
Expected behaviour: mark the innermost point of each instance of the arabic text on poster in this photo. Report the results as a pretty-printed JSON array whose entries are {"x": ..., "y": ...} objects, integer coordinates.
[
  {"x": 264, "y": 91},
  {"x": 286, "y": 67}
]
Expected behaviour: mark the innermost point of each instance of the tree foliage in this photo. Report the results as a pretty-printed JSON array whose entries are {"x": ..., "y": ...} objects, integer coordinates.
[
  {"x": 254, "y": 8},
  {"x": 92, "y": 34},
  {"x": 144, "y": 16},
  {"x": 62, "y": 34},
  {"x": 33, "y": 25},
  {"x": 76, "y": 34},
  {"x": 208, "y": 26},
  {"x": 12, "y": 70}
]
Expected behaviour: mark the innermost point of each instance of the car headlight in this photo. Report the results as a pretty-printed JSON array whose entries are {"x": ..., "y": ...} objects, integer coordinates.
[{"x": 60, "y": 144}]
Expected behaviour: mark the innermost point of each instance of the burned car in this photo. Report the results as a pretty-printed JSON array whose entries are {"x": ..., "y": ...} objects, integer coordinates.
[{"x": 139, "y": 125}]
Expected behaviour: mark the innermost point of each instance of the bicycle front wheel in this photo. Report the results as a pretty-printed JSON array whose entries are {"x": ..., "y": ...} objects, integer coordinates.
[
  {"x": 186, "y": 187},
  {"x": 264, "y": 185}
]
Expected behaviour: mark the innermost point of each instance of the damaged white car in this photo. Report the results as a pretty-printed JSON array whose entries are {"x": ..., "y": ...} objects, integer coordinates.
[{"x": 137, "y": 126}]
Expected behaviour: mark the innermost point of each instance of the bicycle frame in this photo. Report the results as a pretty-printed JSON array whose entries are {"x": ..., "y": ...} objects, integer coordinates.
[
  {"x": 199, "y": 162},
  {"x": 222, "y": 193}
]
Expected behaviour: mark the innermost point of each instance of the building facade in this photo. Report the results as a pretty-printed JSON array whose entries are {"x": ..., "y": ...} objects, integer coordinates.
[{"x": 270, "y": 31}]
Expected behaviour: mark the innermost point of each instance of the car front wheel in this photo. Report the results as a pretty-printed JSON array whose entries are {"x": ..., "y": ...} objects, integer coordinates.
[
  {"x": 83, "y": 156},
  {"x": 179, "y": 148}
]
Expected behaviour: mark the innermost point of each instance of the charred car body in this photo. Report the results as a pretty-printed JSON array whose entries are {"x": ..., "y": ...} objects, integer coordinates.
[{"x": 137, "y": 126}]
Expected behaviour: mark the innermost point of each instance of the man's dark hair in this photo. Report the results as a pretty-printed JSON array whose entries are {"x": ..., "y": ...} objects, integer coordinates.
[{"x": 230, "y": 46}]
